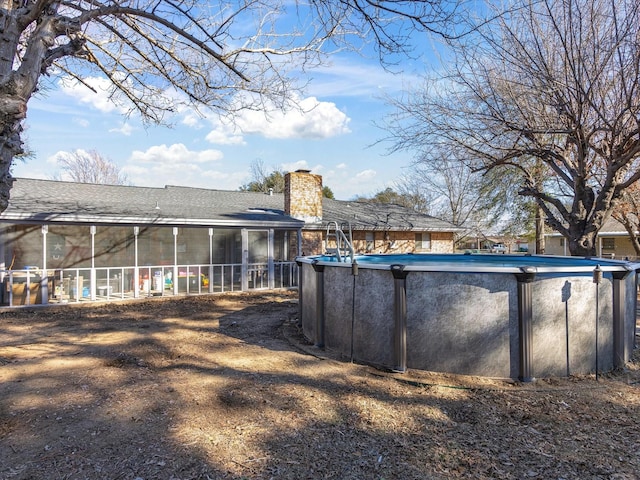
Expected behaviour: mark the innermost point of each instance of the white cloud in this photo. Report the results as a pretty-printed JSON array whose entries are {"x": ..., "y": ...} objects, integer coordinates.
[
  {"x": 175, "y": 155},
  {"x": 100, "y": 93},
  {"x": 100, "y": 99},
  {"x": 60, "y": 154},
  {"x": 81, "y": 122},
  {"x": 312, "y": 120},
  {"x": 191, "y": 119},
  {"x": 223, "y": 134},
  {"x": 366, "y": 175},
  {"x": 126, "y": 129},
  {"x": 177, "y": 165},
  {"x": 299, "y": 165}
]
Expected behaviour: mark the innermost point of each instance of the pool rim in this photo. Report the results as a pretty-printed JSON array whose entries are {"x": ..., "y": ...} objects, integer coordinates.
[{"x": 423, "y": 265}]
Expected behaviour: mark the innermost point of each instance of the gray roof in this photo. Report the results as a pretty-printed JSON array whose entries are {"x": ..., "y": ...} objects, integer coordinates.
[
  {"x": 611, "y": 228},
  {"x": 381, "y": 216},
  {"x": 51, "y": 201},
  {"x": 47, "y": 201}
]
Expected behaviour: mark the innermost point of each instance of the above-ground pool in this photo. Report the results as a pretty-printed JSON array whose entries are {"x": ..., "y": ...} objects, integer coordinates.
[{"x": 509, "y": 316}]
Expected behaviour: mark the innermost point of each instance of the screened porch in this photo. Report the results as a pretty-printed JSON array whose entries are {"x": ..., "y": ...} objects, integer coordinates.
[{"x": 58, "y": 263}]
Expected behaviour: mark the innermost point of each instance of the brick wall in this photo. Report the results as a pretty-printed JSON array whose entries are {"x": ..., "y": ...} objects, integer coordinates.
[
  {"x": 399, "y": 242},
  {"x": 312, "y": 243},
  {"x": 442, "y": 242},
  {"x": 303, "y": 196}
]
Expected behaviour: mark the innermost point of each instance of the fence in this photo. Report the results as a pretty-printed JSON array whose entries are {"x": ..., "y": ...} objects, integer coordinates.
[{"x": 33, "y": 286}]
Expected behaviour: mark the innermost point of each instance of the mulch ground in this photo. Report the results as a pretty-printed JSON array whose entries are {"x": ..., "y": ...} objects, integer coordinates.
[{"x": 225, "y": 387}]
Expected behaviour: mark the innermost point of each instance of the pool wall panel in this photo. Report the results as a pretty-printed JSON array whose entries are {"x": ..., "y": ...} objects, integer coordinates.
[
  {"x": 374, "y": 318},
  {"x": 457, "y": 323},
  {"x": 308, "y": 310},
  {"x": 471, "y": 322},
  {"x": 631, "y": 305},
  {"x": 366, "y": 313},
  {"x": 564, "y": 308},
  {"x": 338, "y": 291}
]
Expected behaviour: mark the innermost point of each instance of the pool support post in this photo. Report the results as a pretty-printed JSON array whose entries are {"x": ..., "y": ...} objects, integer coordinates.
[
  {"x": 300, "y": 288},
  {"x": 619, "y": 298},
  {"x": 525, "y": 323},
  {"x": 400, "y": 318},
  {"x": 319, "y": 333}
]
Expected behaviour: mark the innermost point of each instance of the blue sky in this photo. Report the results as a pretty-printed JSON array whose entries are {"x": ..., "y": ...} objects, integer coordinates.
[{"x": 333, "y": 139}]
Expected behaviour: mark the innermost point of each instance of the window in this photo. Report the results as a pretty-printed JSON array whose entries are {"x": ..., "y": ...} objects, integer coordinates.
[
  {"x": 608, "y": 243},
  {"x": 423, "y": 241},
  {"x": 562, "y": 242},
  {"x": 369, "y": 239}
]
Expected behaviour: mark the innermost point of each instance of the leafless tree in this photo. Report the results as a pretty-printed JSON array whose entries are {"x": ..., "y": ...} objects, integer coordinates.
[
  {"x": 627, "y": 212},
  {"x": 481, "y": 204},
  {"x": 416, "y": 194},
  {"x": 157, "y": 54},
  {"x": 402, "y": 194},
  {"x": 89, "y": 167},
  {"x": 263, "y": 180},
  {"x": 551, "y": 91},
  {"x": 454, "y": 188}
]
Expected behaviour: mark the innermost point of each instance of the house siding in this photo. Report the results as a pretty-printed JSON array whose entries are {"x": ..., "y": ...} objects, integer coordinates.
[
  {"x": 312, "y": 243},
  {"x": 394, "y": 242},
  {"x": 554, "y": 246},
  {"x": 442, "y": 242},
  {"x": 622, "y": 247}
]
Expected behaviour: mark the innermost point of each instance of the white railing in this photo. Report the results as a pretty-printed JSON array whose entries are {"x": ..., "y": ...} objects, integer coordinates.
[{"x": 31, "y": 286}]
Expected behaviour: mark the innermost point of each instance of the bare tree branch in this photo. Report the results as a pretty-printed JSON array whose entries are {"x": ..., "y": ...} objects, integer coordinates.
[
  {"x": 225, "y": 55},
  {"x": 89, "y": 167},
  {"x": 558, "y": 82}
]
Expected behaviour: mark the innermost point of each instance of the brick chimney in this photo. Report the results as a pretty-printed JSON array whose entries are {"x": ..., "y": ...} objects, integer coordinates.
[{"x": 303, "y": 196}]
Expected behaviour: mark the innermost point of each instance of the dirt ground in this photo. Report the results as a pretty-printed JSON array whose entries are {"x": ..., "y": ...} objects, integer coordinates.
[{"x": 224, "y": 387}]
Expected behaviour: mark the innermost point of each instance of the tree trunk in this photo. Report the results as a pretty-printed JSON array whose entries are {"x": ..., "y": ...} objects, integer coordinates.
[
  {"x": 631, "y": 227},
  {"x": 540, "y": 240},
  {"x": 17, "y": 85},
  {"x": 635, "y": 241},
  {"x": 583, "y": 244},
  {"x": 10, "y": 147}
]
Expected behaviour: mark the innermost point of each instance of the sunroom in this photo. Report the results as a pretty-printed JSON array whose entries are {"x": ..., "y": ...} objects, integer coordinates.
[{"x": 70, "y": 242}]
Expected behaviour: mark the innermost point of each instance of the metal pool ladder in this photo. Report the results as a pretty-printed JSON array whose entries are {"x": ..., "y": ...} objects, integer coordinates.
[{"x": 343, "y": 246}]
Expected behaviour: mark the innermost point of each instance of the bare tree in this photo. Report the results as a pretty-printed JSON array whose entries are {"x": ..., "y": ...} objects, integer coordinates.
[
  {"x": 475, "y": 202},
  {"x": 455, "y": 189},
  {"x": 159, "y": 53},
  {"x": 550, "y": 90},
  {"x": 89, "y": 167},
  {"x": 627, "y": 212},
  {"x": 416, "y": 194},
  {"x": 264, "y": 181}
]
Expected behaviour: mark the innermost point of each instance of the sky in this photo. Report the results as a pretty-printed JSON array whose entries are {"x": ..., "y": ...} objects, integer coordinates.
[{"x": 336, "y": 138}]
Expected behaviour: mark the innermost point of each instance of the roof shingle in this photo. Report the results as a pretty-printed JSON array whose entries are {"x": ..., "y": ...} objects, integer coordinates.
[{"x": 49, "y": 201}]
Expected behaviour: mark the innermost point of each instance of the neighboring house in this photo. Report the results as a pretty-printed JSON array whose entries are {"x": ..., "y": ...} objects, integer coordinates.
[
  {"x": 495, "y": 244},
  {"x": 64, "y": 241},
  {"x": 613, "y": 242},
  {"x": 374, "y": 227}
]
